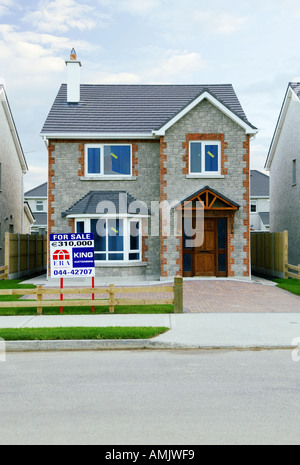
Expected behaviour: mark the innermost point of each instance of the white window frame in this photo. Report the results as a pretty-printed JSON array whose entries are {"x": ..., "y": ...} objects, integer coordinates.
[
  {"x": 203, "y": 144},
  {"x": 252, "y": 203},
  {"x": 102, "y": 174},
  {"x": 126, "y": 228},
  {"x": 41, "y": 204}
]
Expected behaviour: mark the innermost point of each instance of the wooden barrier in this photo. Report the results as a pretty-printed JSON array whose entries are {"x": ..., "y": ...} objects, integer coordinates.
[
  {"x": 25, "y": 254},
  {"x": 294, "y": 268},
  {"x": 111, "y": 301},
  {"x": 4, "y": 272},
  {"x": 269, "y": 253}
]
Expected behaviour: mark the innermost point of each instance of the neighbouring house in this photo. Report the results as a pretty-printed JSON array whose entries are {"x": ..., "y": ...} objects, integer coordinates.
[
  {"x": 37, "y": 199},
  {"x": 259, "y": 201},
  {"x": 283, "y": 163},
  {"x": 137, "y": 164},
  {"x": 15, "y": 216}
]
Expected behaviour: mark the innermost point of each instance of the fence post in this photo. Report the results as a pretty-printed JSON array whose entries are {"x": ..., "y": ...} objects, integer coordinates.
[
  {"x": 111, "y": 299},
  {"x": 178, "y": 294},
  {"x": 39, "y": 299},
  {"x": 286, "y": 253},
  {"x": 6, "y": 252}
]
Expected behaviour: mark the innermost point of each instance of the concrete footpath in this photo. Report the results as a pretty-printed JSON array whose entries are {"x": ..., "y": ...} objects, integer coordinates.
[{"x": 186, "y": 331}]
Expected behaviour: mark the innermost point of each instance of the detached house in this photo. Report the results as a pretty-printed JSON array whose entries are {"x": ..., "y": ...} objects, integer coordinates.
[
  {"x": 283, "y": 162},
  {"x": 15, "y": 215},
  {"x": 119, "y": 155}
]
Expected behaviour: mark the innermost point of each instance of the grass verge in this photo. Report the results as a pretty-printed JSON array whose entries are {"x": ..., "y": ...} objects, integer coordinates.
[
  {"x": 291, "y": 285},
  {"x": 80, "y": 333}
]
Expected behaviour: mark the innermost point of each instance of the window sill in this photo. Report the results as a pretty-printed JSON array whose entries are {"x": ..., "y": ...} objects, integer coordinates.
[
  {"x": 118, "y": 265},
  {"x": 108, "y": 178},
  {"x": 205, "y": 176}
]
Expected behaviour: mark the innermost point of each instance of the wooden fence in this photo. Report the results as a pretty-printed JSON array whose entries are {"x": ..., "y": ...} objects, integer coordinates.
[
  {"x": 111, "y": 301},
  {"x": 269, "y": 253},
  {"x": 289, "y": 274},
  {"x": 25, "y": 255},
  {"x": 3, "y": 272}
]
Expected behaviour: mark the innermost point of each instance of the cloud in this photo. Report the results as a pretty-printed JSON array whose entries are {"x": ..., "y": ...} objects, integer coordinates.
[
  {"x": 176, "y": 66},
  {"x": 63, "y": 15},
  {"x": 6, "y": 7},
  {"x": 134, "y": 7}
]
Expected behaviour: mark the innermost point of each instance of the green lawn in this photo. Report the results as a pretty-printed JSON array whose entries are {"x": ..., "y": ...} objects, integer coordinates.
[
  {"x": 47, "y": 334},
  {"x": 15, "y": 284},
  {"x": 291, "y": 285}
]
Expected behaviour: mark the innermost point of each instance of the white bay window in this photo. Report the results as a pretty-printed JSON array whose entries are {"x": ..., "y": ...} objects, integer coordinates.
[{"x": 116, "y": 239}]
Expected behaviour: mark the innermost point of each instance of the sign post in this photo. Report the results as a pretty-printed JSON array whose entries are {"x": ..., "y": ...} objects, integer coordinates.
[{"x": 72, "y": 256}]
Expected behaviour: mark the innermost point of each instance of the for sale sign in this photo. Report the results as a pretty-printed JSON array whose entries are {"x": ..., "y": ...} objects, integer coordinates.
[{"x": 72, "y": 255}]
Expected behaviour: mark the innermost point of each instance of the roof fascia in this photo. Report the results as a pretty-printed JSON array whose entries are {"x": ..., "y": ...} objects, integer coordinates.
[
  {"x": 280, "y": 123},
  {"x": 94, "y": 135},
  {"x": 13, "y": 130},
  {"x": 206, "y": 95},
  {"x": 29, "y": 213}
]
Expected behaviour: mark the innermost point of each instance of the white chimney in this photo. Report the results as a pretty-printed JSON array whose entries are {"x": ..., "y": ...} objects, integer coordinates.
[{"x": 73, "y": 70}]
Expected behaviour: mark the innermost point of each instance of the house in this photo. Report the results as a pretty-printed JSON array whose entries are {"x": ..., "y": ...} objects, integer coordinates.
[
  {"x": 37, "y": 199},
  {"x": 259, "y": 201},
  {"x": 15, "y": 216},
  {"x": 137, "y": 164},
  {"x": 283, "y": 163}
]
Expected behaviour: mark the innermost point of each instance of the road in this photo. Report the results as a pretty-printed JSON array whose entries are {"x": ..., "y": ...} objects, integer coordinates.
[{"x": 150, "y": 398}]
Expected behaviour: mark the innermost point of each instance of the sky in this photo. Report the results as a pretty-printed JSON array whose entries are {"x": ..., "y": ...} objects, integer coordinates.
[{"x": 252, "y": 45}]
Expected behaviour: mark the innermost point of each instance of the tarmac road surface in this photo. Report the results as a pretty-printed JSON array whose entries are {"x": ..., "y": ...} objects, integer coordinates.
[{"x": 150, "y": 398}]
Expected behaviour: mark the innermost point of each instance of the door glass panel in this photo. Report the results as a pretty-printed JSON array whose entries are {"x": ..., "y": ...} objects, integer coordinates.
[
  {"x": 222, "y": 262},
  {"x": 222, "y": 233},
  {"x": 187, "y": 262}
]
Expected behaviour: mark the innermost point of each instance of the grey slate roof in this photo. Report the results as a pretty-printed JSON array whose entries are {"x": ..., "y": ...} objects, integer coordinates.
[
  {"x": 40, "y": 219},
  {"x": 259, "y": 184},
  {"x": 130, "y": 108},
  {"x": 39, "y": 191},
  {"x": 121, "y": 200},
  {"x": 296, "y": 88}
]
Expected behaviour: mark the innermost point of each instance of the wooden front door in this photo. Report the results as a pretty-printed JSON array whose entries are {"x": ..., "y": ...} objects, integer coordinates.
[
  {"x": 205, "y": 256},
  {"x": 209, "y": 259}
]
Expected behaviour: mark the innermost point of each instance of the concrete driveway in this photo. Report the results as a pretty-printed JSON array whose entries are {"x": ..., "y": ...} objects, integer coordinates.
[{"x": 226, "y": 296}]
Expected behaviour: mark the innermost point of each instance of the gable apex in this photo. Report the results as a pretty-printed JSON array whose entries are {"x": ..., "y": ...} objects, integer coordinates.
[{"x": 207, "y": 95}]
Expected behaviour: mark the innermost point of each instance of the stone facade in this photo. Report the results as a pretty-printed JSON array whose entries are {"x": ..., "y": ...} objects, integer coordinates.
[
  {"x": 233, "y": 183},
  {"x": 160, "y": 172},
  {"x": 67, "y": 185}
]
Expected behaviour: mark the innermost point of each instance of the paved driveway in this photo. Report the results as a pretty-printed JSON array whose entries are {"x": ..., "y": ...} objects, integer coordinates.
[
  {"x": 220, "y": 296},
  {"x": 213, "y": 296}
]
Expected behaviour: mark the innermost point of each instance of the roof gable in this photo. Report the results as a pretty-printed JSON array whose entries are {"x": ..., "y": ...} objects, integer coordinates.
[
  {"x": 206, "y": 95},
  {"x": 210, "y": 199},
  {"x": 39, "y": 191},
  {"x": 293, "y": 91},
  {"x": 13, "y": 129}
]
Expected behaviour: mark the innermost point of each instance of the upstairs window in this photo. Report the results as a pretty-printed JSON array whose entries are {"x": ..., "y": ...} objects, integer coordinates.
[
  {"x": 39, "y": 206},
  {"x": 253, "y": 206},
  {"x": 205, "y": 158},
  {"x": 108, "y": 160}
]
